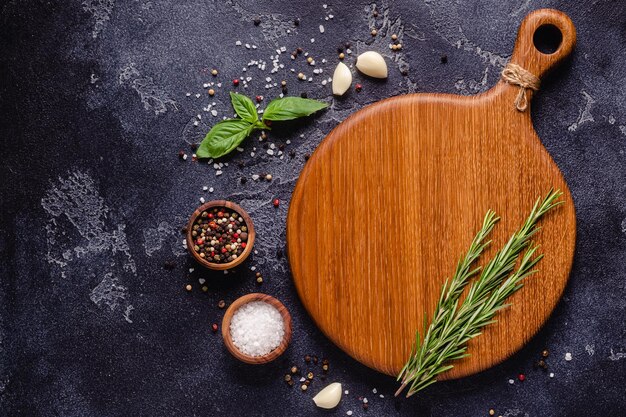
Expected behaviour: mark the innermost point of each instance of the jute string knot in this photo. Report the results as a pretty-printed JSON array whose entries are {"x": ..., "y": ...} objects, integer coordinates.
[{"x": 516, "y": 75}]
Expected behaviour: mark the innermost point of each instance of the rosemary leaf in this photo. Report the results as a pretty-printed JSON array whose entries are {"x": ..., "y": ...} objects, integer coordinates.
[{"x": 453, "y": 325}]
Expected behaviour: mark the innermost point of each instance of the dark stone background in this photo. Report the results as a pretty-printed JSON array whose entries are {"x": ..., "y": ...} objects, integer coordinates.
[{"x": 93, "y": 114}]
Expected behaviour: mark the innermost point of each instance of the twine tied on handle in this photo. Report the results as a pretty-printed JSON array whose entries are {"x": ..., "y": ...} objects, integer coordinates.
[{"x": 516, "y": 75}]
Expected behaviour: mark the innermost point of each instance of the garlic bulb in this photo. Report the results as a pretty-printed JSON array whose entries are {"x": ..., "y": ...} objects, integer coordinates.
[
  {"x": 342, "y": 78},
  {"x": 373, "y": 64},
  {"x": 329, "y": 397}
]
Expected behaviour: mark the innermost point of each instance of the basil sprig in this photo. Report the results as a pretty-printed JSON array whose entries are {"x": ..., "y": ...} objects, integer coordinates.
[{"x": 226, "y": 135}]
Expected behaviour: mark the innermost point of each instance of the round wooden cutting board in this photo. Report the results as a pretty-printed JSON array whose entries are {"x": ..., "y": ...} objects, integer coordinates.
[{"x": 394, "y": 195}]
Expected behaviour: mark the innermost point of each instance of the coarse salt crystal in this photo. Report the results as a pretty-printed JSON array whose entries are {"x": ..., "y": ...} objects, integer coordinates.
[
  {"x": 568, "y": 356},
  {"x": 238, "y": 43},
  {"x": 374, "y": 391},
  {"x": 211, "y": 189},
  {"x": 218, "y": 173},
  {"x": 205, "y": 188},
  {"x": 202, "y": 200},
  {"x": 551, "y": 374},
  {"x": 321, "y": 28},
  {"x": 511, "y": 381},
  {"x": 349, "y": 412},
  {"x": 257, "y": 328}
]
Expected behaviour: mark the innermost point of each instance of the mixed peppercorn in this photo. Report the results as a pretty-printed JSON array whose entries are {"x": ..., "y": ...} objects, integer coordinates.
[{"x": 220, "y": 235}]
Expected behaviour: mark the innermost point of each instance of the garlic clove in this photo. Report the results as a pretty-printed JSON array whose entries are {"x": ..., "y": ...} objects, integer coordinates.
[
  {"x": 329, "y": 397},
  {"x": 342, "y": 78},
  {"x": 373, "y": 64}
]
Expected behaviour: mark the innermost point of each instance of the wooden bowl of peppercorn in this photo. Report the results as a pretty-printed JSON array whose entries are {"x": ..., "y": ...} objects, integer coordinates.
[{"x": 217, "y": 238}]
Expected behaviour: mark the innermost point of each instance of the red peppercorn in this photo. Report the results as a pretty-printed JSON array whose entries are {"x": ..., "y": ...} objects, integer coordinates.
[
  {"x": 276, "y": 202},
  {"x": 235, "y": 235},
  {"x": 358, "y": 87},
  {"x": 243, "y": 245},
  {"x": 267, "y": 122},
  {"x": 235, "y": 82},
  {"x": 200, "y": 241},
  {"x": 214, "y": 327},
  {"x": 259, "y": 99},
  {"x": 223, "y": 250},
  {"x": 211, "y": 215},
  {"x": 220, "y": 214},
  {"x": 521, "y": 377}
]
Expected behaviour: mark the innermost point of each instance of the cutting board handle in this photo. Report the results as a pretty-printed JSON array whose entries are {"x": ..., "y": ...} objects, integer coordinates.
[{"x": 541, "y": 30}]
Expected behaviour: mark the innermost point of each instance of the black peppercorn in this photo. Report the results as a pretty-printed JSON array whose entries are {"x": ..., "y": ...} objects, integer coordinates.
[
  {"x": 257, "y": 21},
  {"x": 303, "y": 95},
  {"x": 444, "y": 59},
  {"x": 545, "y": 353},
  {"x": 296, "y": 22},
  {"x": 243, "y": 180},
  {"x": 169, "y": 265},
  {"x": 307, "y": 358}
]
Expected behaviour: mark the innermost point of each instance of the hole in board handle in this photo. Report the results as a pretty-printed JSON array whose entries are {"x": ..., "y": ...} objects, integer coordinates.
[{"x": 547, "y": 39}]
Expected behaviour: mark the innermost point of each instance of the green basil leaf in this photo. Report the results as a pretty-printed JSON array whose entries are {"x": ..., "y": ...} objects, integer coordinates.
[
  {"x": 289, "y": 108},
  {"x": 244, "y": 107},
  {"x": 223, "y": 138}
]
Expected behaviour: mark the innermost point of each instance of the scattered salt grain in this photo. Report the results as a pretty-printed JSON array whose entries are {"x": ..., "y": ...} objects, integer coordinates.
[
  {"x": 346, "y": 392},
  {"x": 511, "y": 381},
  {"x": 551, "y": 374},
  {"x": 205, "y": 188},
  {"x": 349, "y": 412},
  {"x": 238, "y": 43},
  {"x": 374, "y": 391},
  {"x": 218, "y": 173},
  {"x": 211, "y": 189},
  {"x": 568, "y": 356},
  {"x": 257, "y": 328},
  {"x": 321, "y": 28},
  {"x": 202, "y": 200}
]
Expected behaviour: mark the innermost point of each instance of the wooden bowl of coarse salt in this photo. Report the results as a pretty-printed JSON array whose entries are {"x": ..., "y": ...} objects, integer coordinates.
[{"x": 256, "y": 328}]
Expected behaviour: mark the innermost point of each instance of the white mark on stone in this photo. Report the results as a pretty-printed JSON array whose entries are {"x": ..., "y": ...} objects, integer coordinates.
[
  {"x": 75, "y": 201},
  {"x": 622, "y": 128},
  {"x": 152, "y": 96},
  {"x": 585, "y": 113},
  {"x": 109, "y": 292},
  {"x": 101, "y": 12},
  {"x": 590, "y": 349},
  {"x": 472, "y": 86},
  {"x": 127, "y": 312},
  {"x": 447, "y": 21},
  {"x": 615, "y": 356}
]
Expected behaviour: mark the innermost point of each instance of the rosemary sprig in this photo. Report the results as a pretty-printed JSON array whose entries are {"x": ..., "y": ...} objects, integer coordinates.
[{"x": 452, "y": 326}]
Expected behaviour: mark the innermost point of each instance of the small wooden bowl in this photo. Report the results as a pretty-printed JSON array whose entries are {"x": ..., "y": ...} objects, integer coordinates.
[
  {"x": 249, "y": 242},
  {"x": 228, "y": 341}
]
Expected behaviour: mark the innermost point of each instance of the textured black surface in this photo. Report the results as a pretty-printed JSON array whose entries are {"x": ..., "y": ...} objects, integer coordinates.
[{"x": 93, "y": 113}]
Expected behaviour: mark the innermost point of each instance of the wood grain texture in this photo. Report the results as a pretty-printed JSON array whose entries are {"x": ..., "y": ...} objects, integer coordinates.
[
  {"x": 249, "y": 243},
  {"x": 228, "y": 340},
  {"x": 393, "y": 196}
]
